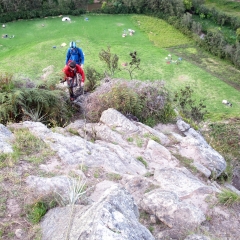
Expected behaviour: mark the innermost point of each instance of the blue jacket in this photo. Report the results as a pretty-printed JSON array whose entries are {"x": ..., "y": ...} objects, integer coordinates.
[{"x": 75, "y": 54}]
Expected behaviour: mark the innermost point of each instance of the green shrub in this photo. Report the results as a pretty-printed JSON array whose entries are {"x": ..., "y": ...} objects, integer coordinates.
[
  {"x": 148, "y": 101},
  {"x": 123, "y": 99},
  {"x": 23, "y": 100}
]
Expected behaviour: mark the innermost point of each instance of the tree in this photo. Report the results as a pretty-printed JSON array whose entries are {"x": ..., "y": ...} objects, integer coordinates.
[
  {"x": 238, "y": 34},
  {"x": 187, "y": 4}
]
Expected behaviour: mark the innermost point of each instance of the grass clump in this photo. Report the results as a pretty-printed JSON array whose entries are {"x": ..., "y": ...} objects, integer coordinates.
[
  {"x": 114, "y": 176},
  {"x": 153, "y": 137},
  {"x": 29, "y": 147},
  {"x": 130, "y": 139},
  {"x": 76, "y": 189},
  {"x": 224, "y": 137},
  {"x": 5, "y": 160},
  {"x": 36, "y": 211},
  {"x": 26, "y": 147},
  {"x": 188, "y": 163},
  {"x": 73, "y": 131},
  {"x": 228, "y": 198},
  {"x": 148, "y": 174},
  {"x": 151, "y": 188},
  {"x": 140, "y": 159}
]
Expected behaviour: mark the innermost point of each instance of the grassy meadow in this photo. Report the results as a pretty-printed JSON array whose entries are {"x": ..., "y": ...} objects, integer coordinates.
[
  {"x": 228, "y": 6},
  {"x": 35, "y": 47}
]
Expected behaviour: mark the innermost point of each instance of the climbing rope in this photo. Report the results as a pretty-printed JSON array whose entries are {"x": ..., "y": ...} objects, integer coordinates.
[{"x": 85, "y": 145}]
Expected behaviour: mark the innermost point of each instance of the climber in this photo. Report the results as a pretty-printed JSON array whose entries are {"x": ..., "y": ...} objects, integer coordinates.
[{"x": 73, "y": 75}]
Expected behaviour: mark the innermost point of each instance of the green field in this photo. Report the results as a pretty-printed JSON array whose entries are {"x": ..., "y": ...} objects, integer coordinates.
[
  {"x": 31, "y": 50},
  {"x": 228, "y": 6}
]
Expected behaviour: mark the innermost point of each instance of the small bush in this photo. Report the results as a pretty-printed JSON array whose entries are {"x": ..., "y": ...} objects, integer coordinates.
[
  {"x": 93, "y": 79},
  {"x": 148, "y": 101},
  {"x": 21, "y": 100}
]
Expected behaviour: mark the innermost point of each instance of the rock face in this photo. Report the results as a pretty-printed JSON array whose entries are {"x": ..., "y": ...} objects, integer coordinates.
[
  {"x": 5, "y": 137},
  {"x": 113, "y": 216},
  {"x": 207, "y": 156},
  {"x": 152, "y": 180}
]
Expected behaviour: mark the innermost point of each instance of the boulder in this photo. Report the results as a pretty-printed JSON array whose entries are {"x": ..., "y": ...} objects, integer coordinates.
[
  {"x": 5, "y": 137},
  {"x": 114, "y": 216}
]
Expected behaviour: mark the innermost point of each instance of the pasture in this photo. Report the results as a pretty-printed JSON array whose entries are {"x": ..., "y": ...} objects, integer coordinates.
[
  {"x": 231, "y": 7},
  {"x": 37, "y": 44}
]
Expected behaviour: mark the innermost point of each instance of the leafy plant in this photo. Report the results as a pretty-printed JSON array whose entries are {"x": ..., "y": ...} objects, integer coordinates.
[
  {"x": 151, "y": 229},
  {"x": 139, "y": 142},
  {"x": 96, "y": 174},
  {"x": 148, "y": 174},
  {"x": 73, "y": 131},
  {"x": 187, "y": 4},
  {"x": 134, "y": 64},
  {"x": 151, "y": 188},
  {"x": 18, "y": 102}
]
